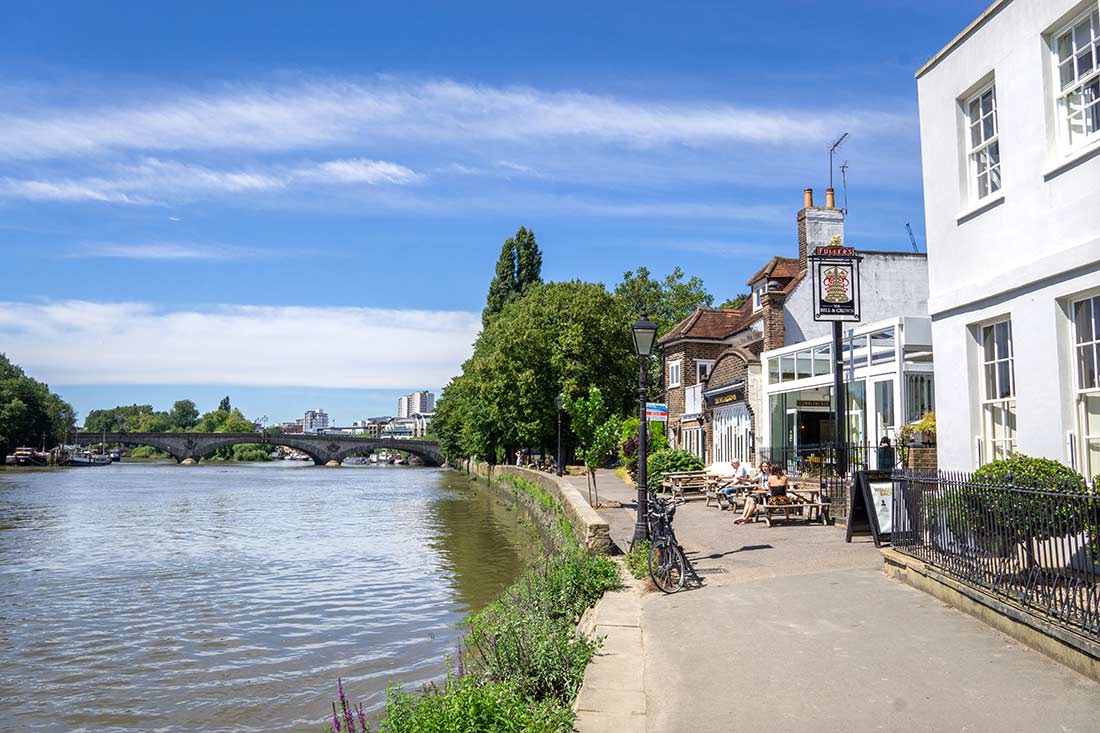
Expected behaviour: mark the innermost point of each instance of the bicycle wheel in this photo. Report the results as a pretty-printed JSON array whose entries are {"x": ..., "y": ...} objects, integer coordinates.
[{"x": 666, "y": 566}]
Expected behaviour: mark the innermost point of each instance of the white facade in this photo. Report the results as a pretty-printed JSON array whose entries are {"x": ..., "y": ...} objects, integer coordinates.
[
  {"x": 422, "y": 402},
  {"x": 889, "y": 380},
  {"x": 315, "y": 421},
  {"x": 892, "y": 284},
  {"x": 403, "y": 406},
  {"x": 1010, "y": 139}
]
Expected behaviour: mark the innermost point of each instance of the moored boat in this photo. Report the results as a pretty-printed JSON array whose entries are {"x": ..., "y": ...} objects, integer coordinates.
[
  {"x": 87, "y": 458},
  {"x": 27, "y": 457}
]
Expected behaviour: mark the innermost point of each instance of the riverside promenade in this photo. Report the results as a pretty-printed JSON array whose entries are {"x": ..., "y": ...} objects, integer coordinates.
[{"x": 795, "y": 630}]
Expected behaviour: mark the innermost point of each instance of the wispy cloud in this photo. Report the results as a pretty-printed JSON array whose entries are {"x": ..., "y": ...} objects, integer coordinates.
[
  {"x": 152, "y": 180},
  {"x": 158, "y": 251},
  {"x": 81, "y": 342},
  {"x": 336, "y": 112}
]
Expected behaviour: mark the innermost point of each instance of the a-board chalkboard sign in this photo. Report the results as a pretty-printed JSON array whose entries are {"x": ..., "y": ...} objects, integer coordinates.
[{"x": 871, "y": 506}]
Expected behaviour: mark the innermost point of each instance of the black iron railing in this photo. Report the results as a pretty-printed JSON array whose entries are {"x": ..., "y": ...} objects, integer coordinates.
[{"x": 1037, "y": 546}]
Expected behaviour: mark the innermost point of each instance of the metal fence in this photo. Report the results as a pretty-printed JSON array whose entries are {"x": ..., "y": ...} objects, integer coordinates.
[{"x": 1037, "y": 546}]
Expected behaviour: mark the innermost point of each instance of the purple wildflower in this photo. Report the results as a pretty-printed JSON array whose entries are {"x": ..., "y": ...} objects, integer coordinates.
[
  {"x": 362, "y": 718},
  {"x": 335, "y": 719},
  {"x": 461, "y": 670}
]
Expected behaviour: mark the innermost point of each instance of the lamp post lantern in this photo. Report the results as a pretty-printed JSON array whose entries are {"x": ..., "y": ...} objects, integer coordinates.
[
  {"x": 560, "y": 402},
  {"x": 644, "y": 334}
]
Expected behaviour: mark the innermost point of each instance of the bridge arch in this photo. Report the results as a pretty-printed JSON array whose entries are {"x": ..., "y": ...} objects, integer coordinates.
[{"x": 321, "y": 448}]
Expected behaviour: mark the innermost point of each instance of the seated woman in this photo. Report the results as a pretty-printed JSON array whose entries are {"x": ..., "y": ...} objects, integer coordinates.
[{"x": 764, "y": 477}]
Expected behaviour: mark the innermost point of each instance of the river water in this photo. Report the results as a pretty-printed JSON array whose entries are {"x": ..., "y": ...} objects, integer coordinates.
[{"x": 230, "y": 597}]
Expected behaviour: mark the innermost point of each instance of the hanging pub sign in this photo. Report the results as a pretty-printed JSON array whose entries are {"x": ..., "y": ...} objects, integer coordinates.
[{"x": 835, "y": 282}]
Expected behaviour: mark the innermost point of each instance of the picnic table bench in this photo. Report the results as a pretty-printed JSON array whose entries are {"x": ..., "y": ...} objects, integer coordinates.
[
  {"x": 804, "y": 502},
  {"x": 678, "y": 481}
]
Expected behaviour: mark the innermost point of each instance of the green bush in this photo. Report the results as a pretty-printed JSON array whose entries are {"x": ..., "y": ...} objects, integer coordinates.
[
  {"x": 637, "y": 560},
  {"x": 990, "y": 514},
  {"x": 1032, "y": 472},
  {"x": 628, "y": 444},
  {"x": 521, "y": 664},
  {"x": 251, "y": 452},
  {"x": 670, "y": 461},
  {"x": 469, "y": 704}
]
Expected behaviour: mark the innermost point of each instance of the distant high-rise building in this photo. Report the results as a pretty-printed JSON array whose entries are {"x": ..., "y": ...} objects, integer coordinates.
[
  {"x": 421, "y": 402},
  {"x": 403, "y": 406},
  {"x": 315, "y": 421}
]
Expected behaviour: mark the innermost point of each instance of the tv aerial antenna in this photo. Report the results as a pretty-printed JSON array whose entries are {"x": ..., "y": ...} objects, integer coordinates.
[
  {"x": 844, "y": 183},
  {"x": 832, "y": 149}
]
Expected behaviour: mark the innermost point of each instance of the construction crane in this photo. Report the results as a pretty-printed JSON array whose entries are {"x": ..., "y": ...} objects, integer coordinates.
[{"x": 912, "y": 239}]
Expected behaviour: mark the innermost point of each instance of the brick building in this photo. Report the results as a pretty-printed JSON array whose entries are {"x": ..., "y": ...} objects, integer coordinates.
[{"x": 714, "y": 371}]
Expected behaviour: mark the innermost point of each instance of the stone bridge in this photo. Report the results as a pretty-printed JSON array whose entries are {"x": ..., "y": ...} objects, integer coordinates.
[{"x": 322, "y": 449}]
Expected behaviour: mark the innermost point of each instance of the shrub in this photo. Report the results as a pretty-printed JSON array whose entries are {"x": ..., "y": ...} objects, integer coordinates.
[
  {"x": 1021, "y": 470},
  {"x": 522, "y": 661},
  {"x": 927, "y": 425},
  {"x": 637, "y": 560},
  {"x": 628, "y": 445},
  {"x": 670, "y": 461},
  {"x": 148, "y": 451}
]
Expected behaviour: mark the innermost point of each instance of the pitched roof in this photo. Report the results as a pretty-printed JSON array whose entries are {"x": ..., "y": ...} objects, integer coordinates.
[
  {"x": 711, "y": 323},
  {"x": 777, "y": 268}
]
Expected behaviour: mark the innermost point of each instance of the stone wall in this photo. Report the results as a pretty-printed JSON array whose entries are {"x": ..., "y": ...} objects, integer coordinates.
[{"x": 590, "y": 530}]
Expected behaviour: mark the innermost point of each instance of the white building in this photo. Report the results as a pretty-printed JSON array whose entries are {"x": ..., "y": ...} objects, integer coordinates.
[
  {"x": 421, "y": 422},
  {"x": 1010, "y": 139},
  {"x": 422, "y": 402},
  {"x": 315, "y": 421},
  {"x": 403, "y": 406},
  {"x": 401, "y": 427},
  {"x": 888, "y": 380}
]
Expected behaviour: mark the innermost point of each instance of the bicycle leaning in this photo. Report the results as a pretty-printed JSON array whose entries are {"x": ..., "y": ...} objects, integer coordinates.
[{"x": 667, "y": 564}]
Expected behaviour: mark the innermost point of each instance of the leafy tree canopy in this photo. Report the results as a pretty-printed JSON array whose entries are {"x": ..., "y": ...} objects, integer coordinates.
[
  {"x": 559, "y": 337},
  {"x": 667, "y": 301},
  {"x": 30, "y": 414},
  {"x": 735, "y": 302},
  {"x": 519, "y": 268}
]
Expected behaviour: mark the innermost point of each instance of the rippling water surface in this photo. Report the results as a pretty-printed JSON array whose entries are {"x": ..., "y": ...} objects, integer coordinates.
[{"x": 205, "y": 598}]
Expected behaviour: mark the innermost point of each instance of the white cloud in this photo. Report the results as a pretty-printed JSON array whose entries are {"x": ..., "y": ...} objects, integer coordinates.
[
  {"x": 152, "y": 179},
  {"x": 80, "y": 342},
  {"x": 158, "y": 251},
  {"x": 335, "y": 112}
]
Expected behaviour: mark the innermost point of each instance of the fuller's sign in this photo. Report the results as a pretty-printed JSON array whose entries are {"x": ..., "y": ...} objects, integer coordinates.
[{"x": 835, "y": 282}]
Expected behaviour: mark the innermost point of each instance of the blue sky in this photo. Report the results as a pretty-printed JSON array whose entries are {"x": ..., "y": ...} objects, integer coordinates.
[{"x": 301, "y": 204}]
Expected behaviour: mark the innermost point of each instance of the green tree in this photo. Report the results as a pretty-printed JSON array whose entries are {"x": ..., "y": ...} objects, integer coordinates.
[
  {"x": 224, "y": 404},
  {"x": 184, "y": 415},
  {"x": 667, "y": 301},
  {"x": 560, "y": 337},
  {"x": 519, "y": 268},
  {"x": 597, "y": 431},
  {"x": 735, "y": 302},
  {"x": 29, "y": 413}
]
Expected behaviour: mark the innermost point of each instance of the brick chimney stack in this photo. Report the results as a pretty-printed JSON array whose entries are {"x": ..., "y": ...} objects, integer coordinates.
[{"x": 817, "y": 225}]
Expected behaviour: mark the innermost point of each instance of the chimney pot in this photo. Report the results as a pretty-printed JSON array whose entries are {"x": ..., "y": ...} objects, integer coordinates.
[
  {"x": 807, "y": 198},
  {"x": 830, "y": 199}
]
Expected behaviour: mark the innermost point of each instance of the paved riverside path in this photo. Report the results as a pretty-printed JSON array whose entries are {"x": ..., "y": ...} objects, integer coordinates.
[{"x": 795, "y": 630}]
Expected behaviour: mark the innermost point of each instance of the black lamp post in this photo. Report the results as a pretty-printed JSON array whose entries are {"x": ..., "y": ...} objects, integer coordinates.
[
  {"x": 559, "y": 401},
  {"x": 644, "y": 332}
]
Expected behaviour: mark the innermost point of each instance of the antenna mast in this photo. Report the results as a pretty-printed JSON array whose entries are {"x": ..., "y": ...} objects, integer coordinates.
[
  {"x": 833, "y": 149},
  {"x": 844, "y": 182}
]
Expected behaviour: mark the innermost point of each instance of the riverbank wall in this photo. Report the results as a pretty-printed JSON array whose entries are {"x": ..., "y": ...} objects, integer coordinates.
[{"x": 554, "y": 502}]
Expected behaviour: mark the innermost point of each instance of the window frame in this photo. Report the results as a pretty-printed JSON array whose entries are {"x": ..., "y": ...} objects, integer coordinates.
[
  {"x": 1083, "y": 394},
  {"x": 1077, "y": 85},
  {"x": 999, "y": 405},
  {"x": 699, "y": 365},
  {"x": 678, "y": 366},
  {"x": 976, "y": 151},
  {"x": 758, "y": 295}
]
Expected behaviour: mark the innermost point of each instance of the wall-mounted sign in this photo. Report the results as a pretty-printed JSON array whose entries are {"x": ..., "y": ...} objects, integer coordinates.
[
  {"x": 726, "y": 399},
  {"x": 656, "y": 412},
  {"x": 835, "y": 282},
  {"x": 813, "y": 403}
]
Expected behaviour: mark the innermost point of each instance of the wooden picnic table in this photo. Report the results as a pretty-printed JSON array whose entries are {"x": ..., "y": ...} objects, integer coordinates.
[{"x": 806, "y": 500}]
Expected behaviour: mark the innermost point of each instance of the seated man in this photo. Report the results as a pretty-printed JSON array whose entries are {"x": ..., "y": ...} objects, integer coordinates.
[{"x": 741, "y": 477}]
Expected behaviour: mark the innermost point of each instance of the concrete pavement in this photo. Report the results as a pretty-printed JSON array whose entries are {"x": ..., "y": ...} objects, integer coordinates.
[{"x": 795, "y": 630}]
